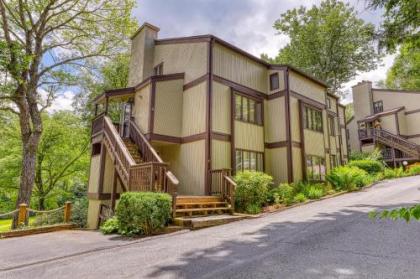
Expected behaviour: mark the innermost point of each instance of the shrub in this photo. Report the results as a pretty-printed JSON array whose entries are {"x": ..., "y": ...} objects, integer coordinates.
[
  {"x": 375, "y": 155},
  {"x": 300, "y": 197},
  {"x": 314, "y": 192},
  {"x": 143, "y": 212},
  {"x": 110, "y": 226},
  {"x": 414, "y": 170},
  {"x": 251, "y": 190},
  {"x": 79, "y": 212},
  {"x": 393, "y": 173},
  {"x": 281, "y": 194},
  {"x": 367, "y": 165},
  {"x": 347, "y": 178},
  {"x": 253, "y": 209}
]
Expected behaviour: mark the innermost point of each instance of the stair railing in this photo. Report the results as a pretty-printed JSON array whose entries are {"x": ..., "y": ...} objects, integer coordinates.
[
  {"x": 396, "y": 141},
  {"x": 222, "y": 184}
]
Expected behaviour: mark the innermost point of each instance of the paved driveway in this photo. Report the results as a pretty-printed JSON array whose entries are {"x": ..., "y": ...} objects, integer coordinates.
[{"x": 332, "y": 238}]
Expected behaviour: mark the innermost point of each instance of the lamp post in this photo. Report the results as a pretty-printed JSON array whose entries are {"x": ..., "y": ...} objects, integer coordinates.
[{"x": 405, "y": 163}]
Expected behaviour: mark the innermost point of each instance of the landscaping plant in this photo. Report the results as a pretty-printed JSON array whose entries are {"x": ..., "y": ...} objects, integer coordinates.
[
  {"x": 300, "y": 197},
  {"x": 347, "y": 178},
  {"x": 370, "y": 166},
  {"x": 283, "y": 193}
]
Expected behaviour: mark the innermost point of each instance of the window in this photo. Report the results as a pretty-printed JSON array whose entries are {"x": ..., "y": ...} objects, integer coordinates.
[
  {"x": 249, "y": 160},
  {"x": 329, "y": 103},
  {"x": 331, "y": 126},
  {"x": 378, "y": 107},
  {"x": 315, "y": 168},
  {"x": 313, "y": 119},
  {"x": 158, "y": 70},
  {"x": 333, "y": 160},
  {"x": 248, "y": 110},
  {"x": 274, "y": 81}
]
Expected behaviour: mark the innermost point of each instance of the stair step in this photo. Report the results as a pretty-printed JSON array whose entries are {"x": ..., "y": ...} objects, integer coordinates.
[
  {"x": 202, "y": 209},
  {"x": 207, "y": 221},
  {"x": 200, "y": 204},
  {"x": 197, "y": 199}
]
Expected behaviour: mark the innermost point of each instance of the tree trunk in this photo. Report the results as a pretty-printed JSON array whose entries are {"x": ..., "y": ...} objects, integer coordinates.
[{"x": 41, "y": 201}]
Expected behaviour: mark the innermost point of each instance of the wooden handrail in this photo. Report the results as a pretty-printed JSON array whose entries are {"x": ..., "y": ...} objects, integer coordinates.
[
  {"x": 222, "y": 184},
  {"x": 145, "y": 147}
]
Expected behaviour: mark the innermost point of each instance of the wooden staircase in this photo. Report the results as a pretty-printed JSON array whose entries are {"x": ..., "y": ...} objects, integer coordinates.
[
  {"x": 133, "y": 150},
  {"x": 201, "y": 206},
  {"x": 389, "y": 139}
]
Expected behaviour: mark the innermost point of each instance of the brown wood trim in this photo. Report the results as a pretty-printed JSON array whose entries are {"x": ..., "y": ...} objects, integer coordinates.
[
  {"x": 327, "y": 150},
  {"x": 296, "y": 144},
  {"x": 184, "y": 40},
  {"x": 396, "y": 90},
  {"x": 221, "y": 136},
  {"x": 195, "y": 82},
  {"x": 102, "y": 169},
  {"x": 412, "y": 111},
  {"x": 378, "y": 115},
  {"x": 207, "y": 165},
  {"x": 331, "y": 113},
  {"x": 302, "y": 140},
  {"x": 152, "y": 99},
  {"x": 411, "y": 136},
  {"x": 397, "y": 124},
  {"x": 159, "y": 78},
  {"x": 277, "y": 94},
  {"x": 193, "y": 138},
  {"x": 288, "y": 129},
  {"x": 232, "y": 131},
  {"x": 240, "y": 88},
  {"x": 115, "y": 93},
  {"x": 102, "y": 196},
  {"x": 307, "y": 100},
  {"x": 159, "y": 137},
  {"x": 277, "y": 144}
]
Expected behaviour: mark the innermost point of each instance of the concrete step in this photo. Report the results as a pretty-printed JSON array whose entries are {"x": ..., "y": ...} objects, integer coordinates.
[{"x": 206, "y": 221}]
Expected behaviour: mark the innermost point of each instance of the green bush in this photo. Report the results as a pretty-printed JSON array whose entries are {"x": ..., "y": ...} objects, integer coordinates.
[
  {"x": 370, "y": 166},
  {"x": 300, "y": 197},
  {"x": 110, "y": 226},
  {"x": 252, "y": 189},
  {"x": 281, "y": 194},
  {"x": 314, "y": 191},
  {"x": 414, "y": 170},
  {"x": 79, "y": 212},
  {"x": 347, "y": 178},
  {"x": 253, "y": 209},
  {"x": 393, "y": 173},
  {"x": 375, "y": 155},
  {"x": 143, "y": 212}
]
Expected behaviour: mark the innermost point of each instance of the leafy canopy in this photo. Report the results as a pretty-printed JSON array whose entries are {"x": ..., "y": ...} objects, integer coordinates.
[{"x": 329, "y": 41}]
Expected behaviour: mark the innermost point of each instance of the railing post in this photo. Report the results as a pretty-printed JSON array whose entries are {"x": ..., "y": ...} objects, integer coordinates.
[
  {"x": 22, "y": 213},
  {"x": 67, "y": 212}
]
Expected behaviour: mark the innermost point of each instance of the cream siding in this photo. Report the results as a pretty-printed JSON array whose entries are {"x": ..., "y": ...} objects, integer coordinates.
[
  {"x": 275, "y": 120},
  {"x": 333, "y": 102},
  {"x": 354, "y": 137},
  {"x": 402, "y": 124},
  {"x": 297, "y": 164},
  {"x": 306, "y": 87},
  {"x": 221, "y": 105},
  {"x": 276, "y": 164},
  {"x": 239, "y": 68},
  {"x": 95, "y": 165},
  {"x": 188, "y": 58},
  {"x": 388, "y": 123},
  {"x": 221, "y": 155},
  {"x": 333, "y": 146},
  {"x": 194, "y": 110},
  {"x": 368, "y": 148},
  {"x": 93, "y": 214},
  {"x": 294, "y": 119},
  {"x": 413, "y": 124},
  {"x": 141, "y": 109},
  {"x": 393, "y": 100},
  {"x": 108, "y": 174},
  {"x": 249, "y": 136},
  {"x": 281, "y": 81},
  {"x": 168, "y": 108},
  {"x": 314, "y": 143}
]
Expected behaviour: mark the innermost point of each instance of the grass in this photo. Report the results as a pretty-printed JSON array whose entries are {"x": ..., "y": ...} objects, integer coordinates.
[{"x": 6, "y": 223}]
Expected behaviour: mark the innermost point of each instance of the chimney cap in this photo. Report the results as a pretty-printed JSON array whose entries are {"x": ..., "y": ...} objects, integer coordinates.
[
  {"x": 148, "y": 25},
  {"x": 362, "y": 82}
]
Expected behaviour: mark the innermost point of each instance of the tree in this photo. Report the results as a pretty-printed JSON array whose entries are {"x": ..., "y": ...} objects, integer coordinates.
[
  {"x": 46, "y": 45},
  {"x": 329, "y": 41},
  {"x": 401, "y": 24},
  {"x": 405, "y": 72}
]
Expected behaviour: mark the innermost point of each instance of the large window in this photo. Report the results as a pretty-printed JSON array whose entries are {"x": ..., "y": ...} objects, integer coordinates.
[
  {"x": 313, "y": 119},
  {"x": 378, "y": 107},
  {"x": 315, "y": 168},
  {"x": 331, "y": 125},
  {"x": 274, "y": 81},
  {"x": 249, "y": 160},
  {"x": 248, "y": 110}
]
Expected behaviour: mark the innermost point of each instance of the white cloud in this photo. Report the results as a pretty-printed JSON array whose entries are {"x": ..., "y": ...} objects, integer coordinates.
[{"x": 62, "y": 101}]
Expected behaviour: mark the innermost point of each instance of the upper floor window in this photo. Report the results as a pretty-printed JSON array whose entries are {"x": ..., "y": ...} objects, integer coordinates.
[
  {"x": 158, "y": 70},
  {"x": 274, "y": 81},
  {"x": 378, "y": 107},
  {"x": 331, "y": 126},
  {"x": 249, "y": 160},
  {"x": 248, "y": 110},
  {"x": 315, "y": 168},
  {"x": 313, "y": 119}
]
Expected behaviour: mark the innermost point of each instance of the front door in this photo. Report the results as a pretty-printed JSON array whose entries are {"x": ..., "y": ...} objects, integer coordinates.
[{"x": 125, "y": 120}]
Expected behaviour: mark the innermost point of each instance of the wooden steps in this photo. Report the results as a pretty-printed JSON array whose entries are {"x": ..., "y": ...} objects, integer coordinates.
[
  {"x": 134, "y": 151},
  {"x": 200, "y": 206}
]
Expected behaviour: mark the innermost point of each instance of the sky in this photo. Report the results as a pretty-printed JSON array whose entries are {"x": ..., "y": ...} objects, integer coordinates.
[{"x": 247, "y": 24}]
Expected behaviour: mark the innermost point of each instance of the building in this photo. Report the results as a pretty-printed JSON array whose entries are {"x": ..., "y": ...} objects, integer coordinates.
[
  {"x": 204, "y": 109},
  {"x": 387, "y": 119}
]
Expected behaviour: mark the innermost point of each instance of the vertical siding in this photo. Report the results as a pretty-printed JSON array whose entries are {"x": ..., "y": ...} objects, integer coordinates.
[
  {"x": 294, "y": 119},
  {"x": 95, "y": 165},
  {"x": 221, "y": 155},
  {"x": 388, "y": 123},
  {"x": 188, "y": 58},
  {"x": 141, "y": 108},
  {"x": 194, "y": 110},
  {"x": 297, "y": 164},
  {"x": 238, "y": 68},
  {"x": 221, "y": 108},
  {"x": 314, "y": 143},
  {"x": 276, "y": 164},
  {"x": 306, "y": 87},
  {"x": 108, "y": 174},
  {"x": 93, "y": 214},
  {"x": 333, "y": 102},
  {"x": 275, "y": 120},
  {"x": 412, "y": 123},
  {"x": 281, "y": 81},
  {"x": 402, "y": 123},
  {"x": 392, "y": 99},
  {"x": 344, "y": 142},
  {"x": 368, "y": 148},
  {"x": 333, "y": 146},
  {"x": 168, "y": 108},
  {"x": 354, "y": 138},
  {"x": 249, "y": 136}
]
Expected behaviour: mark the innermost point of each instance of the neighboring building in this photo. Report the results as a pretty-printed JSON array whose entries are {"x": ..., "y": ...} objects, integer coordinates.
[
  {"x": 388, "y": 119},
  {"x": 206, "y": 107}
]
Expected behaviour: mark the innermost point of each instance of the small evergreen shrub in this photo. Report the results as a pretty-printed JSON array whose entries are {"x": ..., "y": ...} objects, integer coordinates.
[
  {"x": 79, "y": 212},
  {"x": 370, "y": 166},
  {"x": 253, "y": 209},
  {"x": 414, "y": 170},
  {"x": 143, "y": 212},
  {"x": 110, "y": 226},
  {"x": 347, "y": 178},
  {"x": 300, "y": 197},
  {"x": 314, "y": 192},
  {"x": 393, "y": 173},
  {"x": 252, "y": 190},
  {"x": 281, "y": 194}
]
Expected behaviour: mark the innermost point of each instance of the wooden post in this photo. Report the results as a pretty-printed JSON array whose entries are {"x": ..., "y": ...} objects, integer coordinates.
[
  {"x": 114, "y": 190},
  {"x": 67, "y": 212},
  {"x": 22, "y": 213}
]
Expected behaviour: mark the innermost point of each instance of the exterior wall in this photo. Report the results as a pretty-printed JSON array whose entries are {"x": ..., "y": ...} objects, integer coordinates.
[
  {"x": 221, "y": 106},
  {"x": 333, "y": 102},
  {"x": 306, "y": 87},
  {"x": 168, "y": 108},
  {"x": 221, "y": 155},
  {"x": 297, "y": 164},
  {"x": 188, "y": 58},
  {"x": 249, "y": 136},
  {"x": 402, "y": 124},
  {"x": 412, "y": 124},
  {"x": 239, "y": 68},
  {"x": 368, "y": 148},
  {"x": 282, "y": 86},
  {"x": 108, "y": 174},
  {"x": 276, "y": 164},
  {"x": 93, "y": 214},
  {"x": 275, "y": 120},
  {"x": 362, "y": 100},
  {"x": 392, "y": 99},
  {"x": 314, "y": 143},
  {"x": 353, "y": 136},
  {"x": 95, "y": 165},
  {"x": 388, "y": 123},
  {"x": 194, "y": 110},
  {"x": 295, "y": 119},
  {"x": 141, "y": 108}
]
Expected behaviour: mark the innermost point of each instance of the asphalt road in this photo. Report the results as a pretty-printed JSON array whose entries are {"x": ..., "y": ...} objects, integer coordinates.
[{"x": 331, "y": 238}]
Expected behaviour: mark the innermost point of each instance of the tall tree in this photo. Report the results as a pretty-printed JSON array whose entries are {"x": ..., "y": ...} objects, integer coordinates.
[
  {"x": 328, "y": 41},
  {"x": 45, "y": 46}
]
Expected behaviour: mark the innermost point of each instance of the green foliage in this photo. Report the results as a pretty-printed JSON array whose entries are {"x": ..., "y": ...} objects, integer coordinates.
[
  {"x": 110, "y": 226},
  {"x": 314, "y": 191},
  {"x": 393, "y": 173},
  {"x": 143, "y": 212},
  {"x": 79, "y": 212},
  {"x": 370, "y": 166},
  {"x": 253, "y": 208},
  {"x": 405, "y": 72},
  {"x": 281, "y": 194},
  {"x": 414, "y": 170},
  {"x": 329, "y": 41},
  {"x": 405, "y": 213},
  {"x": 347, "y": 178},
  {"x": 375, "y": 155},
  {"x": 300, "y": 197},
  {"x": 252, "y": 189}
]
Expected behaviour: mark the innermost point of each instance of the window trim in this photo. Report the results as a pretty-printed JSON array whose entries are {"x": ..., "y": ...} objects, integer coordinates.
[
  {"x": 308, "y": 125},
  {"x": 321, "y": 176},
  {"x": 262, "y": 169},
  {"x": 158, "y": 69},
  {"x": 258, "y": 113},
  {"x": 274, "y": 83},
  {"x": 380, "y": 104},
  {"x": 331, "y": 126}
]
